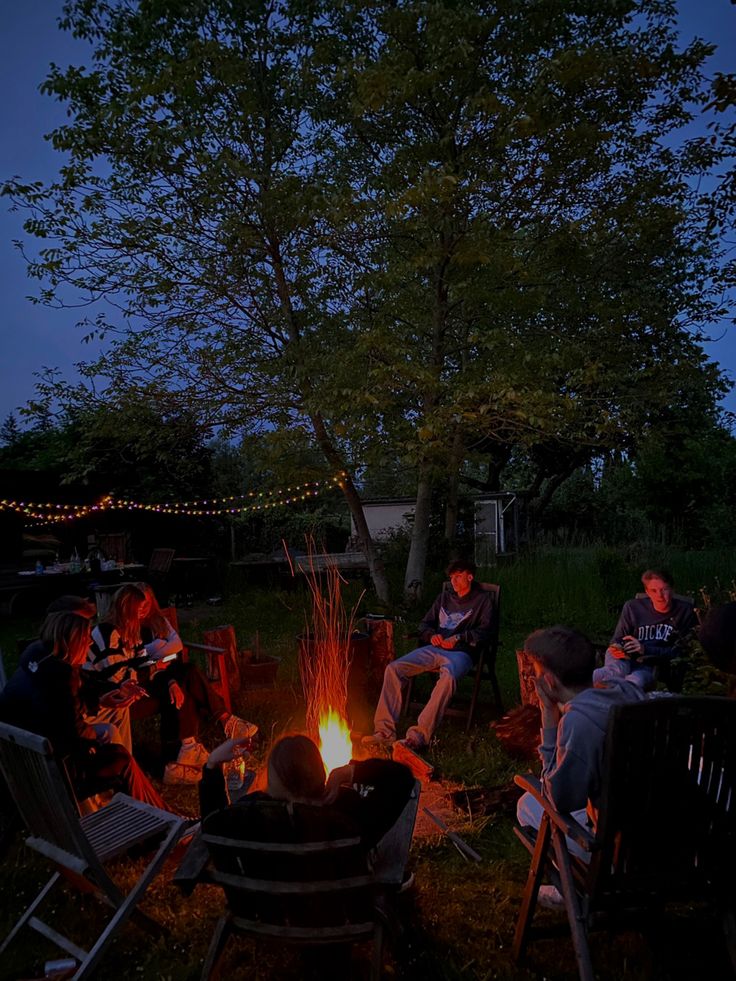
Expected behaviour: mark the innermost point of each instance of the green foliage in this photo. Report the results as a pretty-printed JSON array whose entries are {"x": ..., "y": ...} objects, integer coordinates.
[
  {"x": 10, "y": 432},
  {"x": 676, "y": 486},
  {"x": 411, "y": 230},
  {"x": 128, "y": 448}
]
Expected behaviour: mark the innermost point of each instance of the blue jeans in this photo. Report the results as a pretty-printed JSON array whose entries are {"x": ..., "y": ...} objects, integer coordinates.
[
  {"x": 623, "y": 667},
  {"x": 452, "y": 665},
  {"x": 529, "y": 815}
]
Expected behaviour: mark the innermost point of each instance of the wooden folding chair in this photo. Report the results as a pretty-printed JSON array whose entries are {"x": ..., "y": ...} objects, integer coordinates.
[
  {"x": 160, "y": 562},
  {"x": 666, "y": 827},
  {"x": 79, "y": 847},
  {"x": 221, "y": 650},
  {"x": 314, "y": 893},
  {"x": 485, "y": 667},
  {"x": 322, "y": 908}
]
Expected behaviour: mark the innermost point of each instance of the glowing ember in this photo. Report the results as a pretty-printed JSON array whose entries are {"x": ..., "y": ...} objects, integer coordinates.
[{"x": 334, "y": 740}]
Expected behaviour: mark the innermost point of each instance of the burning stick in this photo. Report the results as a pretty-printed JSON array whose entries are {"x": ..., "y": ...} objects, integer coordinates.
[
  {"x": 419, "y": 767},
  {"x": 462, "y": 846}
]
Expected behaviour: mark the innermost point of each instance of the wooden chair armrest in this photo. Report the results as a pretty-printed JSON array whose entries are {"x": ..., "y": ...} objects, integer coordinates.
[
  {"x": 192, "y": 865},
  {"x": 207, "y": 648},
  {"x": 567, "y": 824}
]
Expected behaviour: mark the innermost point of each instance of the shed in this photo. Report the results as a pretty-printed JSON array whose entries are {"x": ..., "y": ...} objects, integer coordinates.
[
  {"x": 492, "y": 522},
  {"x": 386, "y": 515}
]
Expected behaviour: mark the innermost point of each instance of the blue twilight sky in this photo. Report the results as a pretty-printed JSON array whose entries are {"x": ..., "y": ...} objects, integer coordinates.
[{"x": 33, "y": 337}]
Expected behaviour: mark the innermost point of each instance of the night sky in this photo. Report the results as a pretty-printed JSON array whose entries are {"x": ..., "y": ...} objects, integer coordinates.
[{"x": 32, "y": 336}]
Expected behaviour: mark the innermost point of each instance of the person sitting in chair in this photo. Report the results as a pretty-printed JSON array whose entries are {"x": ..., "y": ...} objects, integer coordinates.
[
  {"x": 362, "y": 801},
  {"x": 453, "y": 631},
  {"x": 136, "y": 635},
  {"x": 574, "y": 722},
  {"x": 43, "y": 696},
  {"x": 299, "y": 804},
  {"x": 654, "y": 624}
]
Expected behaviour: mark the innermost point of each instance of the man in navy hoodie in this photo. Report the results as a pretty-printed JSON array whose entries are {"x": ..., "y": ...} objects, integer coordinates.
[
  {"x": 654, "y": 624},
  {"x": 453, "y": 631}
]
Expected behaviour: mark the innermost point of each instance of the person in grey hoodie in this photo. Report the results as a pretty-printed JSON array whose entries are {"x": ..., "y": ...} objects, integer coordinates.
[
  {"x": 574, "y": 722},
  {"x": 454, "y": 630}
]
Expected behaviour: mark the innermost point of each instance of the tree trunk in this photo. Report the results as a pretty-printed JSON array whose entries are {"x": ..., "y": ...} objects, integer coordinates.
[
  {"x": 417, "y": 561},
  {"x": 451, "y": 508},
  {"x": 367, "y": 545},
  {"x": 324, "y": 441}
]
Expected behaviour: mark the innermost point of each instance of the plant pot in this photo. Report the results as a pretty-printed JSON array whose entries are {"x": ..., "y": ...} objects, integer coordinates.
[{"x": 259, "y": 673}]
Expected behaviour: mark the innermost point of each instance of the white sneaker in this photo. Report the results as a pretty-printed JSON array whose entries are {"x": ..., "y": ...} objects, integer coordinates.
[
  {"x": 414, "y": 742},
  {"x": 193, "y": 754},
  {"x": 180, "y": 773},
  {"x": 550, "y": 897},
  {"x": 237, "y": 728}
]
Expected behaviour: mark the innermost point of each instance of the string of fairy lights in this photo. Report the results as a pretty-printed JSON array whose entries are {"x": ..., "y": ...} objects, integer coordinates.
[{"x": 237, "y": 504}]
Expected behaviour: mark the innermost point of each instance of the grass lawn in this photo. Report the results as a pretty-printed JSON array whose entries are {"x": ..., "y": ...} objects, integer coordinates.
[{"x": 464, "y": 913}]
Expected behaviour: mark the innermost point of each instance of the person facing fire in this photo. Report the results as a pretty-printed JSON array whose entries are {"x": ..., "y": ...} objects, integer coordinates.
[
  {"x": 362, "y": 801},
  {"x": 300, "y": 803},
  {"x": 454, "y": 629},
  {"x": 655, "y": 624}
]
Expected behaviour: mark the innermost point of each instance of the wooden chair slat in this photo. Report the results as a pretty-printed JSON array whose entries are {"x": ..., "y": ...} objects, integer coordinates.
[
  {"x": 79, "y": 845},
  {"x": 666, "y": 827}
]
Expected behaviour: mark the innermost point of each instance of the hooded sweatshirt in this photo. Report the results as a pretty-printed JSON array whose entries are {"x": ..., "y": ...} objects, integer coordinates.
[
  {"x": 572, "y": 751},
  {"x": 467, "y": 616},
  {"x": 659, "y": 633}
]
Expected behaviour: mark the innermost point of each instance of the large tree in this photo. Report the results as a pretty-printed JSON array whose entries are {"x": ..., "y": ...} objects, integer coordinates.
[
  {"x": 539, "y": 257},
  {"x": 421, "y": 225}
]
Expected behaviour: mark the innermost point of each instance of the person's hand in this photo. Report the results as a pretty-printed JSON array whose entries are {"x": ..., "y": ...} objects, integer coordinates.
[
  {"x": 176, "y": 695},
  {"x": 436, "y": 640},
  {"x": 449, "y": 643},
  {"x": 631, "y": 645},
  {"x": 338, "y": 777},
  {"x": 548, "y": 701},
  {"x": 231, "y": 749},
  {"x": 123, "y": 696}
]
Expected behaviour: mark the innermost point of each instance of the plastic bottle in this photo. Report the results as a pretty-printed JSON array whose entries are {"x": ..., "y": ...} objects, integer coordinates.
[
  {"x": 39, "y": 567},
  {"x": 75, "y": 565}
]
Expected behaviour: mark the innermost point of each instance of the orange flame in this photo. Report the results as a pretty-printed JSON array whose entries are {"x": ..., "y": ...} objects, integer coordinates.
[{"x": 334, "y": 740}]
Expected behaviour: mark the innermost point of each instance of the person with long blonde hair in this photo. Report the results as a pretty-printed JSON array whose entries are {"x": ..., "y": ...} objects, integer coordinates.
[
  {"x": 135, "y": 634},
  {"x": 45, "y": 696}
]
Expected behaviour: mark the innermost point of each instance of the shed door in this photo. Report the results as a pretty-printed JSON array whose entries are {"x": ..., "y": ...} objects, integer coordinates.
[{"x": 486, "y": 532}]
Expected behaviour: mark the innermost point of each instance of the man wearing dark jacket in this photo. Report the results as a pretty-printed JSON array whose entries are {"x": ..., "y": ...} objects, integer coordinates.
[{"x": 453, "y": 631}]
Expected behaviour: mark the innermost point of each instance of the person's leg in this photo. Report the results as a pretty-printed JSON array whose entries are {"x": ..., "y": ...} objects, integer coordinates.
[
  {"x": 118, "y": 717},
  {"x": 529, "y": 815},
  {"x": 395, "y": 678},
  {"x": 207, "y": 702},
  {"x": 111, "y": 767},
  {"x": 391, "y": 853},
  {"x": 642, "y": 676},
  {"x": 108, "y": 733},
  {"x": 613, "y": 668},
  {"x": 177, "y": 725},
  {"x": 452, "y": 666}
]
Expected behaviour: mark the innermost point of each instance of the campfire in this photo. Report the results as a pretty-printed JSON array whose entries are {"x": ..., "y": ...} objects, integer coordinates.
[
  {"x": 324, "y": 663},
  {"x": 334, "y": 742}
]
